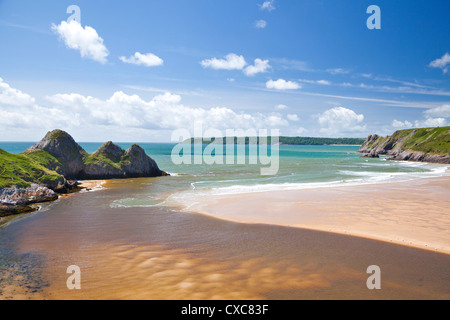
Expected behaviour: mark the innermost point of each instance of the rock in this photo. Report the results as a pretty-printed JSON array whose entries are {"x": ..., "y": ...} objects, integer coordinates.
[
  {"x": 112, "y": 162},
  {"x": 34, "y": 194},
  {"x": 108, "y": 162},
  {"x": 425, "y": 145},
  {"x": 8, "y": 209},
  {"x": 140, "y": 164},
  {"x": 59, "y": 152},
  {"x": 63, "y": 147},
  {"x": 372, "y": 154}
]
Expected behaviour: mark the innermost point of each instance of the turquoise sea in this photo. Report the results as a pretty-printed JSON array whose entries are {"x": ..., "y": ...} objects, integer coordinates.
[
  {"x": 300, "y": 167},
  {"x": 137, "y": 239}
]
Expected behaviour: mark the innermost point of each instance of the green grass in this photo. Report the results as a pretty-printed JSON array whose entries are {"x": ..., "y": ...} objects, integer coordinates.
[
  {"x": 305, "y": 141},
  {"x": 21, "y": 170},
  {"x": 107, "y": 159},
  {"x": 99, "y": 158},
  {"x": 428, "y": 140},
  {"x": 43, "y": 158}
]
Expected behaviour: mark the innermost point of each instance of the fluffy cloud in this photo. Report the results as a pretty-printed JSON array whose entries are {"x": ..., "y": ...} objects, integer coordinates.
[
  {"x": 13, "y": 97},
  {"x": 340, "y": 120},
  {"x": 281, "y": 107},
  {"x": 121, "y": 114},
  {"x": 234, "y": 62},
  {"x": 431, "y": 122},
  {"x": 268, "y": 5},
  {"x": 401, "y": 124},
  {"x": 86, "y": 40},
  {"x": 147, "y": 59},
  {"x": 282, "y": 84},
  {"x": 435, "y": 117},
  {"x": 442, "y": 111},
  {"x": 231, "y": 62},
  {"x": 261, "y": 24},
  {"x": 19, "y": 110},
  {"x": 259, "y": 67},
  {"x": 293, "y": 117},
  {"x": 442, "y": 63}
]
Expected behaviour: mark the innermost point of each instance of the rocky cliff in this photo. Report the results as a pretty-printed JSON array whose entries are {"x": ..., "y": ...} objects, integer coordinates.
[
  {"x": 53, "y": 165},
  {"x": 112, "y": 162},
  {"x": 58, "y": 151},
  {"x": 67, "y": 153},
  {"x": 424, "y": 144}
]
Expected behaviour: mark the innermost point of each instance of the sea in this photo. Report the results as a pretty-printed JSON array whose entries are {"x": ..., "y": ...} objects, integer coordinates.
[
  {"x": 299, "y": 167},
  {"x": 132, "y": 239}
]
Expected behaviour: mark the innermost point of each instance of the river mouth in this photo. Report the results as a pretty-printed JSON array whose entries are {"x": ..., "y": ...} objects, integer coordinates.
[{"x": 161, "y": 253}]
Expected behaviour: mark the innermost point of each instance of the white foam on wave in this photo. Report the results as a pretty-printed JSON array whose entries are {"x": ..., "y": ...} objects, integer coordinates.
[{"x": 192, "y": 196}]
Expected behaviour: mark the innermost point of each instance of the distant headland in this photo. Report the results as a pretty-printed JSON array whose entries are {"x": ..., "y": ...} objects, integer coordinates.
[{"x": 424, "y": 144}]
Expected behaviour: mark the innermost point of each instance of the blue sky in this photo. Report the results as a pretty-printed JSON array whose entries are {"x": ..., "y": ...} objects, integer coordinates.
[{"x": 138, "y": 70}]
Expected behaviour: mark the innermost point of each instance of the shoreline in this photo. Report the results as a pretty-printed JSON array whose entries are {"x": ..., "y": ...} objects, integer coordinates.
[
  {"x": 158, "y": 253},
  {"x": 83, "y": 185},
  {"x": 412, "y": 213},
  {"x": 91, "y": 185}
]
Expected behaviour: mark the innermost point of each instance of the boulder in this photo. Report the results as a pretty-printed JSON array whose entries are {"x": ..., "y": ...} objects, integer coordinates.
[
  {"x": 109, "y": 162},
  {"x": 63, "y": 147}
]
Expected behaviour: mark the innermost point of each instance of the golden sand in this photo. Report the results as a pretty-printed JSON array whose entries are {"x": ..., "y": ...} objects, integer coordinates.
[
  {"x": 415, "y": 213},
  {"x": 156, "y": 253}
]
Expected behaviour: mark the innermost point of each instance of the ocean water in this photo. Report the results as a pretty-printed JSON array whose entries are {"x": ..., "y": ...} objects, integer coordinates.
[
  {"x": 132, "y": 241},
  {"x": 300, "y": 167}
]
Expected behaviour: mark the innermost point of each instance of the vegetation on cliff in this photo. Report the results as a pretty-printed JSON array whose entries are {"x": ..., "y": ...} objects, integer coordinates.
[
  {"x": 305, "y": 141},
  {"x": 423, "y": 144},
  {"x": 58, "y": 151},
  {"x": 55, "y": 163},
  {"x": 21, "y": 171}
]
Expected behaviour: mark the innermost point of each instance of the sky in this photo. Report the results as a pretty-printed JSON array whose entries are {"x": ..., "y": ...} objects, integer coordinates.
[{"x": 137, "y": 71}]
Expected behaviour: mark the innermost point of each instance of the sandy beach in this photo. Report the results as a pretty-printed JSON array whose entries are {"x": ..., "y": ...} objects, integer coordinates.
[
  {"x": 414, "y": 213},
  {"x": 161, "y": 253}
]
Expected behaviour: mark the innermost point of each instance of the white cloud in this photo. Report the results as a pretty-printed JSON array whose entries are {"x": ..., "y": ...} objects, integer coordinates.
[
  {"x": 86, "y": 40},
  {"x": 231, "y": 62},
  {"x": 147, "y": 59},
  {"x": 293, "y": 117},
  {"x": 167, "y": 98},
  {"x": 340, "y": 120},
  {"x": 335, "y": 71},
  {"x": 401, "y": 124},
  {"x": 431, "y": 122},
  {"x": 259, "y": 67},
  {"x": 121, "y": 114},
  {"x": 13, "y": 97},
  {"x": 281, "y": 107},
  {"x": 282, "y": 84},
  {"x": 261, "y": 24},
  {"x": 300, "y": 130},
  {"x": 442, "y": 111},
  {"x": 442, "y": 63},
  {"x": 268, "y": 5},
  {"x": 234, "y": 62},
  {"x": 322, "y": 82}
]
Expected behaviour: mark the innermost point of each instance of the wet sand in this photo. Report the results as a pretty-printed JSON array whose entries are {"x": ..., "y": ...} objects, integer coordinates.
[
  {"x": 414, "y": 213},
  {"x": 161, "y": 253}
]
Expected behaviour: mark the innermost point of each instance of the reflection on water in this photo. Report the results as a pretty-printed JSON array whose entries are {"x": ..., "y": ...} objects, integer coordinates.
[{"x": 159, "y": 253}]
